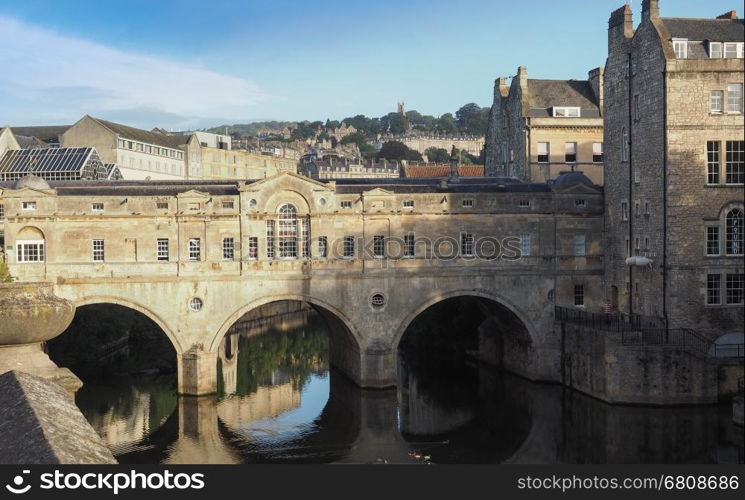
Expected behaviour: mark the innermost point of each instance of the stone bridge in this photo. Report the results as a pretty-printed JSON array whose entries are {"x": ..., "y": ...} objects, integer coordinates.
[{"x": 369, "y": 256}]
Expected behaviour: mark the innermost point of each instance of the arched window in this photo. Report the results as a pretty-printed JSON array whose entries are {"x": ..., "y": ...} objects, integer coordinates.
[
  {"x": 287, "y": 231},
  {"x": 30, "y": 245},
  {"x": 734, "y": 236}
]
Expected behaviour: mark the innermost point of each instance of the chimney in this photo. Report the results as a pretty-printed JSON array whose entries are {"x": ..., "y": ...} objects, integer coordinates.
[
  {"x": 620, "y": 25},
  {"x": 728, "y": 15},
  {"x": 596, "y": 78},
  {"x": 501, "y": 88},
  {"x": 650, "y": 10},
  {"x": 522, "y": 75}
]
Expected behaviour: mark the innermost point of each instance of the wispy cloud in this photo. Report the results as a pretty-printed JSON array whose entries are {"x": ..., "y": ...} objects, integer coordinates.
[{"x": 46, "y": 77}]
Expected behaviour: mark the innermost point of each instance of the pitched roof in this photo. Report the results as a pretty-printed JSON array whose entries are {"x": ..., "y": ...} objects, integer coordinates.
[
  {"x": 45, "y": 133},
  {"x": 43, "y": 161},
  {"x": 27, "y": 142},
  {"x": 550, "y": 93},
  {"x": 715, "y": 30},
  {"x": 139, "y": 135},
  {"x": 443, "y": 171}
]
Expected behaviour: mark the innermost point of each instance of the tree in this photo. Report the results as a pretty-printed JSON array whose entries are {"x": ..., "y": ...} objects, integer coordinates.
[
  {"x": 395, "y": 150},
  {"x": 303, "y": 131},
  {"x": 437, "y": 155},
  {"x": 446, "y": 124},
  {"x": 472, "y": 119},
  {"x": 361, "y": 141},
  {"x": 394, "y": 123},
  {"x": 330, "y": 124}
]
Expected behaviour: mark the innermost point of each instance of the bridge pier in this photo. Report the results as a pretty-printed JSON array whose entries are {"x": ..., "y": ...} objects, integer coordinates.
[{"x": 197, "y": 372}]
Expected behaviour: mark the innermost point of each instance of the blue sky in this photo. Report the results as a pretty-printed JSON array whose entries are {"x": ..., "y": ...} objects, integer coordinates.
[{"x": 181, "y": 64}]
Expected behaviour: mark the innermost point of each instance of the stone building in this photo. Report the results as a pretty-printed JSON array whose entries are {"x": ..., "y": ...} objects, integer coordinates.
[
  {"x": 674, "y": 168},
  {"x": 541, "y": 128}
]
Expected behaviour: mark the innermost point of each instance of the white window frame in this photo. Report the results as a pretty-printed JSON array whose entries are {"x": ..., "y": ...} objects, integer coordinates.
[
  {"x": 253, "y": 248},
  {"x": 28, "y": 205},
  {"x": 734, "y": 167},
  {"x": 228, "y": 205},
  {"x": 734, "y": 91},
  {"x": 570, "y": 148},
  {"x": 727, "y": 289},
  {"x": 597, "y": 151},
  {"x": 566, "y": 112},
  {"x": 580, "y": 245},
  {"x": 195, "y": 249},
  {"x": 468, "y": 203},
  {"x": 22, "y": 250},
  {"x": 525, "y": 245},
  {"x": 720, "y": 50},
  {"x": 161, "y": 249},
  {"x": 2, "y": 212},
  {"x": 716, "y": 101},
  {"x": 348, "y": 247},
  {"x": 680, "y": 42},
  {"x": 543, "y": 149},
  {"x": 524, "y": 203},
  {"x": 715, "y": 229},
  {"x": 738, "y": 49},
  {"x": 323, "y": 247},
  {"x": 97, "y": 207},
  {"x": 345, "y": 204},
  {"x": 408, "y": 204},
  {"x": 713, "y": 162},
  {"x": 98, "y": 248},
  {"x": 580, "y": 202},
  {"x": 466, "y": 245},
  {"x": 717, "y": 289},
  {"x": 228, "y": 248},
  {"x": 379, "y": 246},
  {"x": 409, "y": 246}
]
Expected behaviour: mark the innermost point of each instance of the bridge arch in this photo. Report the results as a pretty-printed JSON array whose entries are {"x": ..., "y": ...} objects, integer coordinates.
[
  {"x": 499, "y": 300},
  {"x": 323, "y": 307},
  {"x": 104, "y": 299}
]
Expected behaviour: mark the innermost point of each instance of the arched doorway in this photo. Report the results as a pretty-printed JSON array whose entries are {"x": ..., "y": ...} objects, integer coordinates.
[
  {"x": 456, "y": 404},
  {"x": 127, "y": 363}
]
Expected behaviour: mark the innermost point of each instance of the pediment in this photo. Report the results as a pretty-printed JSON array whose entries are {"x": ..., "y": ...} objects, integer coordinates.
[
  {"x": 287, "y": 181},
  {"x": 577, "y": 189},
  {"x": 193, "y": 193},
  {"x": 377, "y": 192},
  {"x": 28, "y": 191}
]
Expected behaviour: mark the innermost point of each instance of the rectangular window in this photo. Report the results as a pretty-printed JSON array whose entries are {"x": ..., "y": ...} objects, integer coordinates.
[
  {"x": 715, "y": 50},
  {"x": 349, "y": 247},
  {"x": 579, "y": 295},
  {"x": 646, "y": 208},
  {"x": 636, "y": 246},
  {"x": 579, "y": 245},
  {"x": 161, "y": 248},
  {"x": 305, "y": 237},
  {"x": 637, "y": 111},
  {"x": 228, "y": 248},
  {"x": 97, "y": 207},
  {"x": 597, "y": 152},
  {"x": 624, "y": 145},
  {"x": 2, "y": 212},
  {"x": 731, "y": 51},
  {"x": 161, "y": 205},
  {"x": 525, "y": 245},
  {"x": 735, "y": 284},
  {"x": 624, "y": 211},
  {"x": 681, "y": 48},
  {"x": 98, "y": 251},
  {"x": 227, "y": 205},
  {"x": 323, "y": 247},
  {"x": 636, "y": 209},
  {"x": 253, "y": 248},
  {"x": 195, "y": 249},
  {"x": 524, "y": 203},
  {"x": 543, "y": 152},
  {"x": 566, "y": 111},
  {"x": 580, "y": 203},
  {"x": 734, "y": 98},
  {"x": 28, "y": 205},
  {"x": 712, "y": 162},
  {"x": 716, "y": 101},
  {"x": 409, "y": 249},
  {"x": 712, "y": 240},
  {"x": 270, "y": 239},
  {"x": 408, "y": 203},
  {"x": 646, "y": 243},
  {"x": 570, "y": 152},
  {"x": 735, "y": 162},
  {"x": 713, "y": 289},
  {"x": 467, "y": 203},
  {"x": 379, "y": 246},
  {"x": 30, "y": 250},
  {"x": 346, "y": 204},
  {"x": 466, "y": 244}
]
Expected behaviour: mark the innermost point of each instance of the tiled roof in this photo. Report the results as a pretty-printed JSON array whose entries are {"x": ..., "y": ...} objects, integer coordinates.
[
  {"x": 139, "y": 135},
  {"x": 715, "y": 30},
  {"x": 443, "y": 171},
  {"x": 550, "y": 93},
  {"x": 45, "y": 133}
]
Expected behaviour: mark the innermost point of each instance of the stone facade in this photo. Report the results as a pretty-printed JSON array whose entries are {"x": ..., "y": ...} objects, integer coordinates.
[
  {"x": 523, "y": 119},
  {"x": 420, "y": 143},
  {"x": 659, "y": 203},
  {"x": 101, "y": 245}
]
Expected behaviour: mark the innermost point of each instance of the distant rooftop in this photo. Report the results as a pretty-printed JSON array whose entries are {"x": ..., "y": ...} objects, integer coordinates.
[
  {"x": 545, "y": 94},
  {"x": 713, "y": 30}
]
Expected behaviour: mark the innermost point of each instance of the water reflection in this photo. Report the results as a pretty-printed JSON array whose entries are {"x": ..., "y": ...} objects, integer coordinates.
[{"x": 279, "y": 402}]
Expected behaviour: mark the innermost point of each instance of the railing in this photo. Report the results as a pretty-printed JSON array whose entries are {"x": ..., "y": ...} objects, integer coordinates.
[
  {"x": 673, "y": 337},
  {"x": 638, "y": 330}
]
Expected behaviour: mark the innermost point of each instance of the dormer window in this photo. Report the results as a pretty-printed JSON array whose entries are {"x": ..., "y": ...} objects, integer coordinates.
[
  {"x": 733, "y": 50},
  {"x": 566, "y": 111},
  {"x": 680, "y": 45},
  {"x": 715, "y": 50}
]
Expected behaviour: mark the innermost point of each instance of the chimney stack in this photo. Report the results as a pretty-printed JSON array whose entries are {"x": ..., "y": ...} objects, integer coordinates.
[
  {"x": 650, "y": 10},
  {"x": 728, "y": 15},
  {"x": 620, "y": 26},
  {"x": 596, "y": 78}
]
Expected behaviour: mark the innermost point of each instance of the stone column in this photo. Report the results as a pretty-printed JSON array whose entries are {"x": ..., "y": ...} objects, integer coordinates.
[{"x": 197, "y": 372}]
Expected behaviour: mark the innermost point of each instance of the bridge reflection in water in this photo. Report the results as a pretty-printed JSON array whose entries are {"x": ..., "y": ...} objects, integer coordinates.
[{"x": 278, "y": 402}]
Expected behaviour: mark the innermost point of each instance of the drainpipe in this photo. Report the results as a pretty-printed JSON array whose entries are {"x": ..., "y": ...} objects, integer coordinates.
[
  {"x": 631, "y": 186},
  {"x": 664, "y": 198}
]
